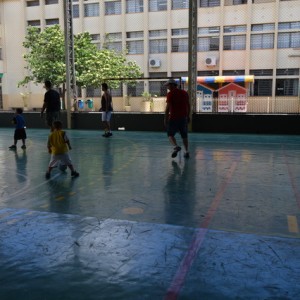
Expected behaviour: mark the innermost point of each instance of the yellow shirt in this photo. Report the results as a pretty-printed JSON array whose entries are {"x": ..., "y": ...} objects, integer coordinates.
[{"x": 57, "y": 141}]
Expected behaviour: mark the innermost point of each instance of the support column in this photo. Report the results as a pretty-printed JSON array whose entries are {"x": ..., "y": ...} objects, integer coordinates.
[
  {"x": 70, "y": 59},
  {"x": 192, "y": 62}
]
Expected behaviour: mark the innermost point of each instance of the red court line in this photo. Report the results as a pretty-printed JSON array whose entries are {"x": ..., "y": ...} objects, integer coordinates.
[
  {"x": 188, "y": 260},
  {"x": 292, "y": 180}
]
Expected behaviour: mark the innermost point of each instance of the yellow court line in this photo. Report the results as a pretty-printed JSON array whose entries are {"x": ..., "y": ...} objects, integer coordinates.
[{"x": 293, "y": 224}]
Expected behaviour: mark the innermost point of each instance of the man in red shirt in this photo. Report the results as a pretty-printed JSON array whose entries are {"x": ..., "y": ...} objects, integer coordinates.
[{"x": 177, "y": 116}]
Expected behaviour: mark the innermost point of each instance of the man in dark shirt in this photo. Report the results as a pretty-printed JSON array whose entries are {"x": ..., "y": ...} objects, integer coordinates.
[
  {"x": 51, "y": 104},
  {"x": 106, "y": 108}
]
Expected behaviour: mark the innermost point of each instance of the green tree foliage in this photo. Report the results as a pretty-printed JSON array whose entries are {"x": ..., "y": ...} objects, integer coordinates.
[{"x": 45, "y": 59}]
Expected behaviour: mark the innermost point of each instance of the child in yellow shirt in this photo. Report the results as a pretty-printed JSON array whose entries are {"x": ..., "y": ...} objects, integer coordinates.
[{"x": 58, "y": 146}]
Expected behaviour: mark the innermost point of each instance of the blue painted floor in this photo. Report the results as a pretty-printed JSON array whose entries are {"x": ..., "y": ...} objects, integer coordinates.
[{"x": 138, "y": 224}]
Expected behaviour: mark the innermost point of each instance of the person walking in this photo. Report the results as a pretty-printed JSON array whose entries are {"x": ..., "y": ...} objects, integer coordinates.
[
  {"x": 177, "y": 116},
  {"x": 20, "y": 132},
  {"x": 106, "y": 108},
  {"x": 58, "y": 146},
  {"x": 51, "y": 104}
]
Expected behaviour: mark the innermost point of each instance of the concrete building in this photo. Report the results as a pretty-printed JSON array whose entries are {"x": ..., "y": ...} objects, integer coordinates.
[{"x": 235, "y": 37}]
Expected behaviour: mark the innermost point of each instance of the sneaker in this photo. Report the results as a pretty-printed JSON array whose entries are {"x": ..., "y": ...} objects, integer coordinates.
[
  {"x": 23, "y": 147},
  {"x": 106, "y": 134},
  {"x": 110, "y": 134},
  {"x": 74, "y": 174},
  {"x": 13, "y": 147},
  {"x": 47, "y": 175},
  {"x": 176, "y": 150}
]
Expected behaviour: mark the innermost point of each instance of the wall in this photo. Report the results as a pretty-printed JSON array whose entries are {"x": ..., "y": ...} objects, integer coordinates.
[{"x": 209, "y": 123}]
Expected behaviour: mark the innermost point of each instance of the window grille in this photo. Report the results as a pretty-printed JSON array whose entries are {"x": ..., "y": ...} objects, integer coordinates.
[
  {"x": 113, "y": 8},
  {"x": 91, "y": 10},
  {"x": 157, "y": 5},
  {"x": 134, "y": 6}
]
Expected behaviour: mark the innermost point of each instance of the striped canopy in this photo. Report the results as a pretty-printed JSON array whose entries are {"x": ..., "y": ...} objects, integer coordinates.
[{"x": 222, "y": 79}]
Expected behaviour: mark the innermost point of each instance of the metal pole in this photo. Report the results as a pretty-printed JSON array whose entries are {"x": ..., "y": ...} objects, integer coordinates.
[
  {"x": 192, "y": 61},
  {"x": 70, "y": 58}
]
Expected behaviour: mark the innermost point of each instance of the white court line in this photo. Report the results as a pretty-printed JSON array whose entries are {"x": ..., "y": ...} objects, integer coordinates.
[{"x": 26, "y": 189}]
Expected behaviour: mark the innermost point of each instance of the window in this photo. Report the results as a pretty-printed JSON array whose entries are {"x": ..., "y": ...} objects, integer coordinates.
[
  {"x": 239, "y": 28},
  {"x": 33, "y": 3},
  {"x": 115, "y": 46},
  {"x": 233, "y": 72},
  {"x": 288, "y": 40},
  {"x": 287, "y": 87},
  {"x": 208, "y": 44},
  {"x": 179, "y": 74},
  {"x": 157, "y": 87},
  {"x": 180, "y": 4},
  {"x": 288, "y": 25},
  {"x": 134, "y": 6},
  {"x": 91, "y": 10},
  {"x": 76, "y": 11},
  {"x": 262, "y": 1},
  {"x": 263, "y": 27},
  {"x": 96, "y": 40},
  {"x": 234, "y": 2},
  {"x": 261, "y": 87},
  {"x": 50, "y": 22},
  {"x": 134, "y": 34},
  {"x": 286, "y": 72},
  {"x": 93, "y": 92},
  {"x": 34, "y": 23},
  {"x": 113, "y": 8},
  {"x": 118, "y": 91},
  {"x": 209, "y": 3},
  {"x": 135, "y": 47},
  {"x": 262, "y": 72},
  {"x": 180, "y": 45},
  {"x": 234, "y": 42},
  {"x": 180, "y": 31},
  {"x": 135, "y": 89},
  {"x": 114, "y": 41},
  {"x": 158, "y": 33},
  {"x": 262, "y": 41},
  {"x": 209, "y": 30},
  {"x": 158, "y": 46},
  {"x": 95, "y": 37},
  {"x": 114, "y": 36},
  {"x": 157, "y": 5},
  {"x": 49, "y": 2},
  {"x": 208, "y": 73}
]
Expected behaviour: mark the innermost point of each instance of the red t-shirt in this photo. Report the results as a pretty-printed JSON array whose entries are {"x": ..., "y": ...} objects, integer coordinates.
[{"x": 178, "y": 101}]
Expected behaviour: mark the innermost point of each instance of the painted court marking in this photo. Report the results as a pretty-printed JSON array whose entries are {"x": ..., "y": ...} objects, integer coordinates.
[
  {"x": 191, "y": 254},
  {"x": 292, "y": 180},
  {"x": 293, "y": 224}
]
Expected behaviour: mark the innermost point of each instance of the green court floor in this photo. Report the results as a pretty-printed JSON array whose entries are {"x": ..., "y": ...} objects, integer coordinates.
[{"x": 138, "y": 224}]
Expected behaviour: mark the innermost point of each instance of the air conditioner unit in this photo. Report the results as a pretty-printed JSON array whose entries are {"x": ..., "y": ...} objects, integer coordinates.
[
  {"x": 211, "y": 61},
  {"x": 154, "y": 63}
]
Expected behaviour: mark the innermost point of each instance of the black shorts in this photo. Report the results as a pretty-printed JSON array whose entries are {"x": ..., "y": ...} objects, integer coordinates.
[
  {"x": 20, "y": 134},
  {"x": 51, "y": 116},
  {"x": 180, "y": 126}
]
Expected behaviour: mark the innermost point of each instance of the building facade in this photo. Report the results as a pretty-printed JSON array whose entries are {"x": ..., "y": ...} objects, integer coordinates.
[{"x": 235, "y": 37}]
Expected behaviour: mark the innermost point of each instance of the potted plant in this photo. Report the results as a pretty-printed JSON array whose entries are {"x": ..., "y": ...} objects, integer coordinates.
[
  {"x": 146, "y": 103},
  {"x": 127, "y": 102}
]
